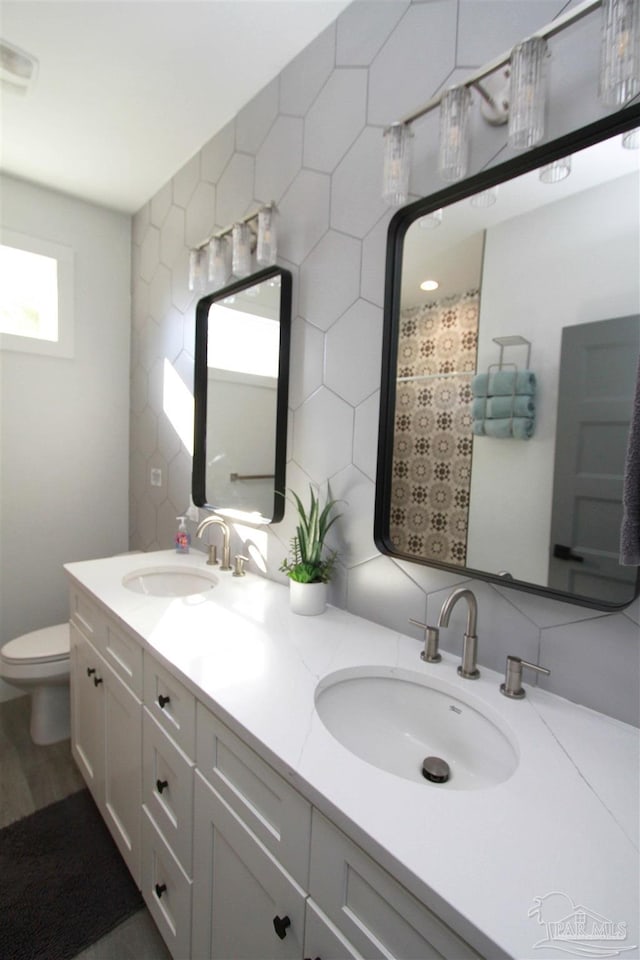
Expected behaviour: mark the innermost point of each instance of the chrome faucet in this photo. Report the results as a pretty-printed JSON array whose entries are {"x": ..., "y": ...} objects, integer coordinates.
[
  {"x": 468, "y": 667},
  {"x": 226, "y": 539}
]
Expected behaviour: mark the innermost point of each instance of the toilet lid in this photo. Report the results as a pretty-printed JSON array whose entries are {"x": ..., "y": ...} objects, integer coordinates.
[{"x": 40, "y": 646}]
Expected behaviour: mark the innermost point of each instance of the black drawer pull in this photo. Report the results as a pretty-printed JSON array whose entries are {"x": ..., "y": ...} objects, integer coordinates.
[
  {"x": 90, "y": 671},
  {"x": 97, "y": 681},
  {"x": 280, "y": 925},
  {"x": 160, "y": 889},
  {"x": 161, "y": 784},
  {"x": 163, "y": 701}
]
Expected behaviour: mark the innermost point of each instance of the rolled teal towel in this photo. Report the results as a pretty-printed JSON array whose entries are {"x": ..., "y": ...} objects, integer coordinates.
[
  {"x": 518, "y": 428},
  {"x": 495, "y": 408},
  {"x": 501, "y": 383}
]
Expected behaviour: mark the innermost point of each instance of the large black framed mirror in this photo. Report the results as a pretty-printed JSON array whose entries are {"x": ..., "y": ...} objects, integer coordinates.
[
  {"x": 506, "y": 394},
  {"x": 241, "y": 388}
]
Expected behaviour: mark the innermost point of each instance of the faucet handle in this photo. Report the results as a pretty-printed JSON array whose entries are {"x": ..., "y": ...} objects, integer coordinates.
[
  {"x": 239, "y": 561},
  {"x": 213, "y": 555},
  {"x": 431, "y": 640},
  {"x": 512, "y": 686}
]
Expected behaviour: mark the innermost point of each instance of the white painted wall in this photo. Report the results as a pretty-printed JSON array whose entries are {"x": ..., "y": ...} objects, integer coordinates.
[
  {"x": 64, "y": 423},
  {"x": 311, "y": 141},
  {"x": 241, "y": 415},
  {"x": 570, "y": 262}
]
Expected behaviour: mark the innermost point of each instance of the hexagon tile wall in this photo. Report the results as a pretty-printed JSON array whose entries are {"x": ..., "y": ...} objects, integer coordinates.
[{"x": 312, "y": 141}]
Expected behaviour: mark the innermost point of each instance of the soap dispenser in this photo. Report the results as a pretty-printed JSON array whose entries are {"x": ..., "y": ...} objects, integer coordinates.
[{"x": 183, "y": 537}]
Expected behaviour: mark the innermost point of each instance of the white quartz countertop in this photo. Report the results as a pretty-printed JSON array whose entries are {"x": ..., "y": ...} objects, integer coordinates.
[{"x": 562, "y": 830}]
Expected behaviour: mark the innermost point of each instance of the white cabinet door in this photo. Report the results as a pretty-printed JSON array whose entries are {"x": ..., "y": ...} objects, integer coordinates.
[
  {"x": 122, "y": 768},
  {"x": 245, "y": 905},
  {"x": 106, "y": 741},
  {"x": 87, "y": 710}
]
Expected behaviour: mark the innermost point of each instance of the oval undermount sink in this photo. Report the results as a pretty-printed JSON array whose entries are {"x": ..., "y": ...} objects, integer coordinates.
[
  {"x": 395, "y": 719},
  {"x": 169, "y": 581}
]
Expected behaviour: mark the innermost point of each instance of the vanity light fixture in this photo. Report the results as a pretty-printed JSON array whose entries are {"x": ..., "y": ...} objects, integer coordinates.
[
  {"x": 397, "y": 164},
  {"x": 197, "y": 269},
  {"x": 267, "y": 245},
  {"x": 556, "y": 171},
  {"x": 527, "y": 99},
  {"x": 209, "y": 260},
  {"x": 631, "y": 139},
  {"x": 18, "y": 69},
  {"x": 620, "y": 52},
  {"x": 219, "y": 267},
  {"x": 241, "y": 249},
  {"x": 523, "y": 68},
  {"x": 453, "y": 158},
  {"x": 484, "y": 199},
  {"x": 431, "y": 220}
]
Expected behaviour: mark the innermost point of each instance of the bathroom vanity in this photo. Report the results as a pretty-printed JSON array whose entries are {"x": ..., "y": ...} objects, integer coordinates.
[{"x": 252, "y": 831}]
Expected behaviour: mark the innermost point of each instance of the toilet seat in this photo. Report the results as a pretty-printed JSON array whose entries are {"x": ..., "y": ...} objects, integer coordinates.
[{"x": 49, "y": 645}]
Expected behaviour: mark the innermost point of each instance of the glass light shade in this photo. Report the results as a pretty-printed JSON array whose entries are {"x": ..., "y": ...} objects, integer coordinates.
[
  {"x": 431, "y": 220},
  {"x": 556, "y": 171},
  {"x": 219, "y": 268},
  {"x": 454, "y": 133},
  {"x": 619, "y": 51},
  {"x": 486, "y": 198},
  {"x": 527, "y": 94},
  {"x": 197, "y": 269},
  {"x": 267, "y": 248},
  {"x": 241, "y": 257},
  {"x": 397, "y": 164}
]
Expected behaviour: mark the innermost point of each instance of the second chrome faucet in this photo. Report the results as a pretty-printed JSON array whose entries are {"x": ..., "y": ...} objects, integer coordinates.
[
  {"x": 468, "y": 666},
  {"x": 226, "y": 545}
]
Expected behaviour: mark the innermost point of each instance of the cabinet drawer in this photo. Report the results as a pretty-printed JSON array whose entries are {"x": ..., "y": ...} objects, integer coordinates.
[
  {"x": 166, "y": 890},
  {"x": 167, "y": 789},
  {"x": 123, "y": 653},
  {"x": 171, "y": 705},
  {"x": 373, "y": 911},
  {"x": 270, "y": 807},
  {"x": 87, "y": 616}
]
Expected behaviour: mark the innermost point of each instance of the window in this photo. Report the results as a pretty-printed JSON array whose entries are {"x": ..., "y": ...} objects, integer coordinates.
[{"x": 36, "y": 295}]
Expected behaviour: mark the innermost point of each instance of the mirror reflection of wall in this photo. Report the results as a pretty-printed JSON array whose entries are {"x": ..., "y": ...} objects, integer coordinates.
[
  {"x": 242, "y": 360},
  {"x": 539, "y": 260},
  {"x": 242, "y": 344}
]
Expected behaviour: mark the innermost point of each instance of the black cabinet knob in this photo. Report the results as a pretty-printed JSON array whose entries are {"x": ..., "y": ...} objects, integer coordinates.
[
  {"x": 90, "y": 671},
  {"x": 280, "y": 925},
  {"x": 160, "y": 889},
  {"x": 161, "y": 784},
  {"x": 97, "y": 681},
  {"x": 163, "y": 701}
]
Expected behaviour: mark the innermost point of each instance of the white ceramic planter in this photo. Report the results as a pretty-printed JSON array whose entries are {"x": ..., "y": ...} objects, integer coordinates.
[{"x": 307, "y": 599}]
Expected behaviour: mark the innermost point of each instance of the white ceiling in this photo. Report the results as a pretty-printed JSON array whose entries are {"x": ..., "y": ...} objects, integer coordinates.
[{"x": 128, "y": 90}]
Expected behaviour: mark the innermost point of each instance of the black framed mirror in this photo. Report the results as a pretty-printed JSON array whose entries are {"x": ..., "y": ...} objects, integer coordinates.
[
  {"x": 506, "y": 394},
  {"x": 241, "y": 388}
]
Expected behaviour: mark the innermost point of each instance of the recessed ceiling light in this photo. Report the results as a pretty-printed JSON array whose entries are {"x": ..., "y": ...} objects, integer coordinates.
[
  {"x": 429, "y": 285},
  {"x": 18, "y": 69}
]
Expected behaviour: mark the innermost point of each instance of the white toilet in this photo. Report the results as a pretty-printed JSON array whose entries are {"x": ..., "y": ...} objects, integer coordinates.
[{"x": 38, "y": 663}]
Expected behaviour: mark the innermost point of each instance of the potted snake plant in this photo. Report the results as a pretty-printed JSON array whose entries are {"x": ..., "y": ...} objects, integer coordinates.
[{"x": 310, "y": 564}]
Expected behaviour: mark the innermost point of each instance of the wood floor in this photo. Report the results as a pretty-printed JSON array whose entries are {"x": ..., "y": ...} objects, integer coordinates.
[{"x": 32, "y": 777}]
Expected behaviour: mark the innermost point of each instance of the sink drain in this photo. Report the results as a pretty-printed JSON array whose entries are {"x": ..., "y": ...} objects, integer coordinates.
[{"x": 435, "y": 769}]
